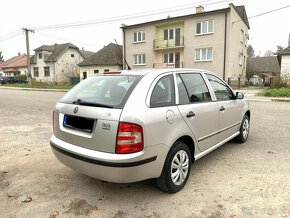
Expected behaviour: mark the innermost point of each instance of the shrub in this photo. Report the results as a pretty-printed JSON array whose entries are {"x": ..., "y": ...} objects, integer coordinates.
[
  {"x": 278, "y": 82},
  {"x": 21, "y": 76}
]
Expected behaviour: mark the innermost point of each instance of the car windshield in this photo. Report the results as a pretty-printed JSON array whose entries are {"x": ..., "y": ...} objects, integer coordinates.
[{"x": 102, "y": 91}]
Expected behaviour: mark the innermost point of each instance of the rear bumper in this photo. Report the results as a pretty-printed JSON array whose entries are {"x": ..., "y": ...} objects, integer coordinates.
[{"x": 121, "y": 168}]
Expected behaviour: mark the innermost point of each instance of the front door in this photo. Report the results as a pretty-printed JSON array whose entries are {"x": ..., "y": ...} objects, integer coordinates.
[
  {"x": 230, "y": 109},
  {"x": 198, "y": 110}
]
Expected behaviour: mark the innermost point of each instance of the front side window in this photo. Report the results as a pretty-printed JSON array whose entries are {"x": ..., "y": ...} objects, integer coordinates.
[
  {"x": 220, "y": 88},
  {"x": 242, "y": 36},
  {"x": 139, "y": 36},
  {"x": 204, "y": 27},
  {"x": 163, "y": 93},
  {"x": 46, "y": 71},
  {"x": 204, "y": 54},
  {"x": 195, "y": 90},
  {"x": 139, "y": 59},
  {"x": 96, "y": 71}
]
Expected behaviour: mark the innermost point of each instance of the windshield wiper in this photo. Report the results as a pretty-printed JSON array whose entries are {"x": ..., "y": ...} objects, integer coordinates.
[{"x": 86, "y": 103}]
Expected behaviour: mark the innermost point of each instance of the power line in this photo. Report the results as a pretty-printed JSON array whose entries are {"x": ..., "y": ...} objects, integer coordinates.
[
  {"x": 129, "y": 17},
  {"x": 268, "y": 12}
]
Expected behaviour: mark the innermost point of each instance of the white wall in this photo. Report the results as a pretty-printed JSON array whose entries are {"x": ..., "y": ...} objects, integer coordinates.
[
  {"x": 101, "y": 68},
  {"x": 285, "y": 66}
]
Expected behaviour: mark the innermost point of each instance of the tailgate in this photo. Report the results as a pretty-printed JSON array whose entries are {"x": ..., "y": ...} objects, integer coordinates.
[{"x": 88, "y": 127}]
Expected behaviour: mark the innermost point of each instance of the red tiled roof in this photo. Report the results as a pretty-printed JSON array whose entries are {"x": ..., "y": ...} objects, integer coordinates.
[{"x": 16, "y": 62}]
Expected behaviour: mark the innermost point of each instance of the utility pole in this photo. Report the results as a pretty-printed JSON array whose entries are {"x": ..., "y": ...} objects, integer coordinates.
[{"x": 29, "y": 77}]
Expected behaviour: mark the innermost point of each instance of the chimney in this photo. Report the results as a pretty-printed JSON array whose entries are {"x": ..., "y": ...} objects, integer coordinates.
[
  {"x": 199, "y": 9},
  {"x": 289, "y": 41}
]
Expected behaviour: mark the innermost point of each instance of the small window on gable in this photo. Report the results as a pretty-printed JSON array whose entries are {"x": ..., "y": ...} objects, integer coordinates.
[
  {"x": 72, "y": 55},
  {"x": 40, "y": 55}
]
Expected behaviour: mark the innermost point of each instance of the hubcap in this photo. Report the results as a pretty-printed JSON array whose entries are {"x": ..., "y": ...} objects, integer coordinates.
[
  {"x": 246, "y": 127},
  {"x": 179, "y": 167}
]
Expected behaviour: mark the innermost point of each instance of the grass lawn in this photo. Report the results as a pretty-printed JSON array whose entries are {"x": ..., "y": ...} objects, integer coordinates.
[
  {"x": 39, "y": 86},
  {"x": 278, "y": 92}
]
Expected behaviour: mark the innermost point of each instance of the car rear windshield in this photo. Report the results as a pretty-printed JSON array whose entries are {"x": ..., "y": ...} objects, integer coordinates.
[{"x": 110, "y": 91}]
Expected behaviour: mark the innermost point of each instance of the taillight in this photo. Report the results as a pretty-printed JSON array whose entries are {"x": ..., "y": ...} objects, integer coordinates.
[{"x": 129, "y": 138}]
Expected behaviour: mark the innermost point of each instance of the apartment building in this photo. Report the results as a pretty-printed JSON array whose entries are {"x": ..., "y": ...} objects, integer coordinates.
[{"x": 212, "y": 40}]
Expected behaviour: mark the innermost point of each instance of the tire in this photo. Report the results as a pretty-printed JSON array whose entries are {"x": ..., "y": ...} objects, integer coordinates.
[
  {"x": 244, "y": 130},
  {"x": 175, "y": 173}
]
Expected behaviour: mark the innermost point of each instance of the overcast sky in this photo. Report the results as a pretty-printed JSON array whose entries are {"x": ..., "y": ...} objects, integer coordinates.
[{"x": 266, "y": 32}]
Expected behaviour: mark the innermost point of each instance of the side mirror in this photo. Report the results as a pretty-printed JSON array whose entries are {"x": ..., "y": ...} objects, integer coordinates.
[{"x": 239, "y": 95}]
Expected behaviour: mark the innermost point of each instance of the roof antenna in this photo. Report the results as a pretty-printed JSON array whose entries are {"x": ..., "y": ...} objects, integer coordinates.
[{"x": 129, "y": 68}]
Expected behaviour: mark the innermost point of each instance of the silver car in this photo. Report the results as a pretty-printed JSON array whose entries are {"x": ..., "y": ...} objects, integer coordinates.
[{"x": 142, "y": 124}]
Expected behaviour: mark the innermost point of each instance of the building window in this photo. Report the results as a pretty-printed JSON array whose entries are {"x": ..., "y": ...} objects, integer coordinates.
[
  {"x": 46, "y": 71},
  {"x": 35, "y": 72},
  {"x": 168, "y": 58},
  {"x": 106, "y": 70},
  {"x": 242, "y": 36},
  {"x": 96, "y": 71},
  {"x": 241, "y": 59},
  {"x": 171, "y": 33},
  {"x": 204, "y": 27},
  {"x": 139, "y": 59},
  {"x": 204, "y": 54},
  {"x": 85, "y": 75},
  {"x": 40, "y": 55},
  {"x": 72, "y": 55},
  {"x": 139, "y": 36}
]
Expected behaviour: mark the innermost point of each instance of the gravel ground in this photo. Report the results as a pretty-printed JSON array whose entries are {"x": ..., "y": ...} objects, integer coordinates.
[{"x": 236, "y": 180}]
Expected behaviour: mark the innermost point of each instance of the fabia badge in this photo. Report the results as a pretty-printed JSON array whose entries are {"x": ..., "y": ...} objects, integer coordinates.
[
  {"x": 106, "y": 126},
  {"x": 76, "y": 110}
]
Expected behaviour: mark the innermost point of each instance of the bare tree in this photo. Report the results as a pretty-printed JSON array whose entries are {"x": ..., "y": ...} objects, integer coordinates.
[
  {"x": 269, "y": 53},
  {"x": 250, "y": 51},
  {"x": 70, "y": 70},
  {"x": 1, "y": 57}
]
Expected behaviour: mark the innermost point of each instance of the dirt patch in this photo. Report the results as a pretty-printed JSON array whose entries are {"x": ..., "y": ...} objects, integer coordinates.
[
  {"x": 80, "y": 207},
  {"x": 4, "y": 183}
]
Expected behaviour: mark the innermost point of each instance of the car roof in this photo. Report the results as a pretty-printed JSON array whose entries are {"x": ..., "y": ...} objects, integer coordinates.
[{"x": 160, "y": 71}]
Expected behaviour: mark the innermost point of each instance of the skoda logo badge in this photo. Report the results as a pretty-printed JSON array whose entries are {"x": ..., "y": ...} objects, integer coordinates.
[{"x": 76, "y": 110}]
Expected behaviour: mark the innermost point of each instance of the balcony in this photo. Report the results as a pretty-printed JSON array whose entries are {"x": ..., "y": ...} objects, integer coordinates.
[
  {"x": 168, "y": 65},
  {"x": 159, "y": 44}
]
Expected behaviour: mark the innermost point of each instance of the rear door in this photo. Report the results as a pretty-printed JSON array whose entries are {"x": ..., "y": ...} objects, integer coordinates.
[
  {"x": 198, "y": 110},
  {"x": 230, "y": 109}
]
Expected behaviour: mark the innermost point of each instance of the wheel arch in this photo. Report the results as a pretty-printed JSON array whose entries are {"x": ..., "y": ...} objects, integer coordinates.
[{"x": 190, "y": 144}]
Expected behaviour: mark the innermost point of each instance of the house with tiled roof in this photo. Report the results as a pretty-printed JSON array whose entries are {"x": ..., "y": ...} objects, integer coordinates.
[
  {"x": 107, "y": 59},
  {"x": 264, "y": 67},
  {"x": 213, "y": 40},
  {"x": 56, "y": 63},
  {"x": 15, "y": 65}
]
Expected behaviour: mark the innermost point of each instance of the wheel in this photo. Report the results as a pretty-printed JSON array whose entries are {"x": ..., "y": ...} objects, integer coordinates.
[
  {"x": 244, "y": 130},
  {"x": 176, "y": 168}
]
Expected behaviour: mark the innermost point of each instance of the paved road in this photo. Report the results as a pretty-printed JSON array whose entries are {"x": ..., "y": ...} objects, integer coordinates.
[{"x": 236, "y": 180}]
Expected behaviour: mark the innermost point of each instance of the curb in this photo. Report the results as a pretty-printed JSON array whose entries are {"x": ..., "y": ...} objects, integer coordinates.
[{"x": 35, "y": 89}]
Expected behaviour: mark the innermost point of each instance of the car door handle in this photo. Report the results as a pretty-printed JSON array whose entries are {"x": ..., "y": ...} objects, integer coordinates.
[
  {"x": 190, "y": 114},
  {"x": 222, "y": 108}
]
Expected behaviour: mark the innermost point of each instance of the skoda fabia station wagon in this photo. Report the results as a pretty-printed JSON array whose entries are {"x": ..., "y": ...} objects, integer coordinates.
[{"x": 143, "y": 124}]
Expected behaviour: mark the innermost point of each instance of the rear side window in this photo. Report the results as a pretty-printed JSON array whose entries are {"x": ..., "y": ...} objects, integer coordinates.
[
  {"x": 220, "y": 88},
  {"x": 195, "y": 90},
  {"x": 105, "y": 90},
  {"x": 163, "y": 93}
]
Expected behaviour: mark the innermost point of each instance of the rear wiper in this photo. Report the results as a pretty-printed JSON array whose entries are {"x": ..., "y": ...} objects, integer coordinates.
[{"x": 86, "y": 103}]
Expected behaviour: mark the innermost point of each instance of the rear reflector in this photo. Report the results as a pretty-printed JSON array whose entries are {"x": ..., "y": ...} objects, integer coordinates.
[{"x": 129, "y": 138}]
